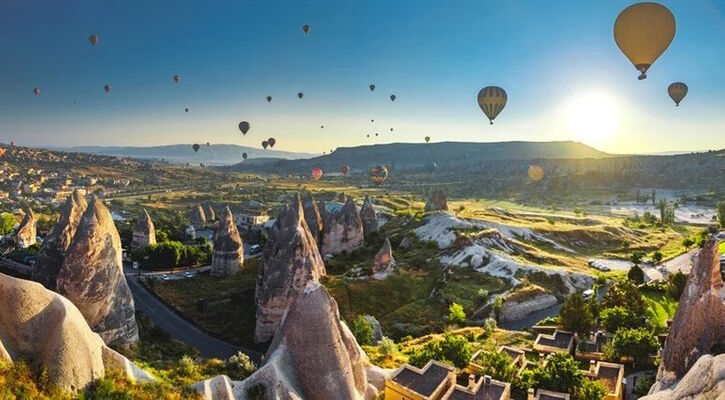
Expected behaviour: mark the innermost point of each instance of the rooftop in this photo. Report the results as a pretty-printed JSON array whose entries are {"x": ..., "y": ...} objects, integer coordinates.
[
  {"x": 483, "y": 389},
  {"x": 424, "y": 381},
  {"x": 562, "y": 340}
]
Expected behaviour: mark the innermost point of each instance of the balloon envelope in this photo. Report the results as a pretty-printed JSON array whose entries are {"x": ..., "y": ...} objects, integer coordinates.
[
  {"x": 427, "y": 139},
  {"x": 177, "y": 78},
  {"x": 272, "y": 141},
  {"x": 107, "y": 88},
  {"x": 643, "y": 31},
  {"x": 392, "y": 97},
  {"x": 2, "y": 151},
  {"x": 316, "y": 173},
  {"x": 244, "y": 156},
  {"x": 244, "y": 127},
  {"x": 196, "y": 147},
  {"x": 492, "y": 99},
  {"x": 36, "y": 91},
  {"x": 300, "y": 95},
  {"x": 536, "y": 173},
  {"x": 372, "y": 87},
  {"x": 677, "y": 92},
  {"x": 306, "y": 28},
  {"x": 269, "y": 99},
  {"x": 345, "y": 169},
  {"x": 186, "y": 109},
  {"x": 378, "y": 174},
  {"x": 93, "y": 39},
  {"x": 265, "y": 144}
]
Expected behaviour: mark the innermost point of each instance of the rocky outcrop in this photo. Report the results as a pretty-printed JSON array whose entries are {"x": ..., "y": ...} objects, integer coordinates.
[
  {"x": 699, "y": 321},
  {"x": 369, "y": 217},
  {"x": 91, "y": 277},
  {"x": 198, "y": 217},
  {"x": 514, "y": 309},
  {"x": 384, "y": 262},
  {"x": 437, "y": 202},
  {"x": 46, "y": 330},
  {"x": 144, "y": 233},
  {"x": 705, "y": 381},
  {"x": 313, "y": 218},
  {"x": 228, "y": 254},
  {"x": 290, "y": 259},
  {"x": 209, "y": 213},
  {"x": 313, "y": 356},
  {"x": 51, "y": 255},
  {"x": 377, "y": 330},
  {"x": 342, "y": 230},
  {"x": 25, "y": 235}
]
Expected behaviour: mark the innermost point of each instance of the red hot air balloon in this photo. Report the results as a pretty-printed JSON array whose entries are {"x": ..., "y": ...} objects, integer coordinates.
[
  {"x": 265, "y": 144},
  {"x": 271, "y": 142},
  {"x": 316, "y": 173},
  {"x": 345, "y": 169}
]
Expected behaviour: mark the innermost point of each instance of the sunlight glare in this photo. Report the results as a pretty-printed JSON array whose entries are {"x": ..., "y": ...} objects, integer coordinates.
[{"x": 592, "y": 117}]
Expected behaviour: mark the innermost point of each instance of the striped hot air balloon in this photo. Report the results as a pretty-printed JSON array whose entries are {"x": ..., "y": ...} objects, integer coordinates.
[
  {"x": 316, "y": 173},
  {"x": 677, "y": 92},
  {"x": 492, "y": 99}
]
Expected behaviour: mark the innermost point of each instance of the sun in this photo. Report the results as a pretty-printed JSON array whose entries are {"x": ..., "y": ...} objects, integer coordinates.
[{"x": 592, "y": 117}]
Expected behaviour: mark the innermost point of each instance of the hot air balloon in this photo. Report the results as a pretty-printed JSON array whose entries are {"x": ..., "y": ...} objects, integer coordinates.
[
  {"x": 536, "y": 173},
  {"x": 677, "y": 92},
  {"x": 2, "y": 151},
  {"x": 306, "y": 28},
  {"x": 269, "y": 99},
  {"x": 177, "y": 78},
  {"x": 244, "y": 156},
  {"x": 300, "y": 95},
  {"x": 107, "y": 88},
  {"x": 368, "y": 135},
  {"x": 195, "y": 147},
  {"x": 376, "y": 134},
  {"x": 427, "y": 139},
  {"x": 186, "y": 109},
  {"x": 244, "y": 127},
  {"x": 378, "y": 174},
  {"x": 265, "y": 144},
  {"x": 372, "y": 87},
  {"x": 643, "y": 31},
  {"x": 316, "y": 173},
  {"x": 372, "y": 120},
  {"x": 492, "y": 99},
  {"x": 345, "y": 169},
  {"x": 36, "y": 91},
  {"x": 322, "y": 126},
  {"x": 207, "y": 144},
  {"x": 391, "y": 129},
  {"x": 271, "y": 141},
  {"x": 392, "y": 97},
  {"x": 93, "y": 39}
]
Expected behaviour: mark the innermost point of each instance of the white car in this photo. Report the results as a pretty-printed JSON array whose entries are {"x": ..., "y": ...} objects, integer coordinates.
[
  {"x": 588, "y": 293},
  {"x": 604, "y": 268},
  {"x": 188, "y": 274},
  {"x": 165, "y": 277}
]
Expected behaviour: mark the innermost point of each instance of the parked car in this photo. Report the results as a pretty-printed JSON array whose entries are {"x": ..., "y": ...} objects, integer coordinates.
[
  {"x": 188, "y": 274},
  {"x": 165, "y": 277},
  {"x": 604, "y": 268},
  {"x": 588, "y": 293}
]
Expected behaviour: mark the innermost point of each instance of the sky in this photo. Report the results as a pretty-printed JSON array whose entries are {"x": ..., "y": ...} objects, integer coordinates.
[{"x": 565, "y": 77}]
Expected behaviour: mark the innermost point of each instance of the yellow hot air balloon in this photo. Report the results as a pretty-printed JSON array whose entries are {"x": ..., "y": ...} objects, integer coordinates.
[
  {"x": 677, "y": 92},
  {"x": 492, "y": 99},
  {"x": 643, "y": 31},
  {"x": 536, "y": 173}
]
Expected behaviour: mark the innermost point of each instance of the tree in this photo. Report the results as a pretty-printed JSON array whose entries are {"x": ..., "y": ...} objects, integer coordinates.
[
  {"x": 388, "y": 346},
  {"x": 636, "y": 257},
  {"x": 498, "y": 365},
  {"x": 721, "y": 213},
  {"x": 676, "y": 285},
  {"x": 616, "y": 318},
  {"x": 456, "y": 315},
  {"x": 657, "y": 257},
  {"x": 654, "y": 196},
  {"x": 635, "y": 274},
  {"x": 362, "y": 331},
  {"x": 662, "y": 205},
  {"x": 626, "y": 294},
  {"x": 575, "y": 314},
  {"x": 456, "y": 349},
  {"x": 592, "y": 390},
  {"x": 638, "y": 344},
  {"x": 560, "y": 373},
  {"x": 688, "y": 242},
  {"x": 497, "y": 308},
  {"x": 7, "y": 223}
]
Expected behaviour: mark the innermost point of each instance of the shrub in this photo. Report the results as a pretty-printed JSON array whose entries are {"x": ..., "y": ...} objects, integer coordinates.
[
  {"x": 489, "y": 325},
  {"x": 388, "y": 347},
  {"x": 240, "y": 366},
  {"x": 626, "y": 294},
  {"x": 362, "y": 331},
  {"x": 591, "y": 390},
  {"x": 498, "y": 365},
  {"x": 456, "y": 315},
  {"x": 676, "y": 285},
  {"x": 635, "y": 274},
  {"x": 637, "y": 344},
  {"x": 185, "y": 366},
  {"x": 452, "y": 349},
  {"x": 618, "y": 317},
  {"x": 643, "y": 386},
  {"x": 575, "y": 314},
  {"x": 560, "y": 373}
]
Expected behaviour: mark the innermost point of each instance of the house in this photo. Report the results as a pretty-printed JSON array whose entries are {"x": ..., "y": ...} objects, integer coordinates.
[
  {"x": 249, "y": 218},
  {"x": 431, "y": 382},
  {"x": 542, "y": 394},
  {"x": 558, "y": 342},
  {"x": 611, "y": 375},
  {"x": 592, "y": 347},
  {"x": 483, "y": 388}
]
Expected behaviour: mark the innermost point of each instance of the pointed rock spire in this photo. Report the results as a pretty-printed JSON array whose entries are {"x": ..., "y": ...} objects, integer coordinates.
[
  {"x": 92, "y": 277},
  {"x": 198, "y": 217},
  {"x": 228, "y": 254},
  {"x": 342, "y": 230},
  {"x": 313, "y": 217},
  {"x": 384, "y": 262},
  {"x": 369, "y": 217},
  {"x": 144, "y": 233},
  {"x": 209, "y": 213},
  {"x": 290, "y": 259},
  {"x": 437, "y": 202},
  {"x": 51, "y": 255},
  {"x": 25, "y": 235}
]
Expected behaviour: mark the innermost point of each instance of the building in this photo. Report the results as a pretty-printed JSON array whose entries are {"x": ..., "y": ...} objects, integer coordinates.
[
  {"x": 483, "y": 388},
  {"x": 611, "y": 375},
  {"x": 247, "y": 218},
  {"x": 542, "y": 394},
  {"x": 431, "y": 382},
  {"x": 558, "y": 342}
]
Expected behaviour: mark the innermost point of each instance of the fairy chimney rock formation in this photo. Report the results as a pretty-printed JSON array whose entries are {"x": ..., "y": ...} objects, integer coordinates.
[
  {"x": 384, "y": 262},
  {"x": 209, "y": 213},
  {"x": 437, "y": 202},
  {"x": 51, "y": 255},
  {"x": 228, "y": 254},
  {"x": 342, "y": 230},
  {"x": 91, "y": 277},
  {"x": 313, "y": 217},
  {"x": 197, "y": 217},
  {"x": 25, "y": 235},
  {"x": 699, "y": 321},
  {"x": 290, "y": 259},
  {"x": 314, "y": 355},
  {"x": 369, "y": 217},
  {"x": 144, "y": 233}
]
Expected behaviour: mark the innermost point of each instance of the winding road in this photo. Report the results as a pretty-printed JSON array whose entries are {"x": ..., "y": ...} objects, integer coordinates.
[{"x": 180, "y": 329}]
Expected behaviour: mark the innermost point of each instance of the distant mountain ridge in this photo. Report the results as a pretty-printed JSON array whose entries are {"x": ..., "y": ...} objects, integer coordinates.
[{"x": 214, "y": 154}]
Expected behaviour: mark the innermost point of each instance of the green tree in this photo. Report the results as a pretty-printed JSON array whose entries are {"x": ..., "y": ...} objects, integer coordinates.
[
  {"x": 456, "y": 349},
  {"x": 591, "y": 390},
  {"x": 626, "y": 294},
  {"x": 362, "y": 331},
  {"x": 636, "y": 257},
  {"x": 456, "y": 315},
  {"x": 635, "y": 274},
  {"x": 560, "y": 373},
  {"x": 721, "y": 213},
  {"x": 676, "y": 285},
  {"x": 7, "y": 223},
  {"x": 637, "y": 344},
  {"x": 497, "y": 308},
  {"x": 616, "y": 318},
  {"x": 388, "y": 347},
  {"x": 498, "y": 365},
  {"x": 575, "y": 314},
  {"x": 662, "y": 205},
  {"x": 657, "y": 257},
  {"x": 165, "y": 255}
]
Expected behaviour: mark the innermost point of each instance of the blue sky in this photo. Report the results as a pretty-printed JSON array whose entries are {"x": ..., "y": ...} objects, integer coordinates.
[{"x": 565, "y": 76}]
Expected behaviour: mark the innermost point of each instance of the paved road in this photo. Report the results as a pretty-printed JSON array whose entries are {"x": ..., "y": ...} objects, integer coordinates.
[
  {"x": 683, "y": 263},
  {"x": 179, "y": 328}
]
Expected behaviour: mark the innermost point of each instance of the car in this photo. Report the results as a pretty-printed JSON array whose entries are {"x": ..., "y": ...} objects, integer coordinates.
[
  {"x": 588, "y": 293},
  {"x": 188, "y": 274},
  {"x": 604, "y": 268},
  {"x": 165, "y": 277}
]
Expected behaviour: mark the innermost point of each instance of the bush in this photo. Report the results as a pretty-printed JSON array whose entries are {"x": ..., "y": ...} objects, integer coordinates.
[
  {"x": 498, "y": 365},
  {"x": 185, "y": 366},
  {"x": 637, "y": 344},
  {"x": 240, "y": 366},
  {"x": 626, "y": 294},
  {"x": 388, "y": 347},
  {"x": 635, "y": 274},
  {"x": 592, "y": 390},
  {"x": 643, "y": 386},
  {"x": 362, "y": 331},
  {"x": 453, "y": 349},
  {"x": 560, "y": 373},
  {"x": 618, "y": 317},
  {"x": 456, "y": 315},
  {"x": 575, "y": 314},
  {"x": 7, "y": 223},
  {"x": 676, "y": 285},
  {"x": 489, "y": 325}
]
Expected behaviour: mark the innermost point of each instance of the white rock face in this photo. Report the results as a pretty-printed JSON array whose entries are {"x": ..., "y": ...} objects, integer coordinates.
[
  {"x": 228, "y": 256},
  {"x": 704, "y": 381},
  {"x": 44, "y": 328},
  {"x": 144, "y": 232},
  {"x": 25, "y": 235},
  {"x": 514, "y": 310},
  {"x": 342, "y": 230}
]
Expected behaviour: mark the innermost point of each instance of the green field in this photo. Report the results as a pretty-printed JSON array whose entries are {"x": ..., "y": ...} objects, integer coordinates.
[{"x": 661, "y": 307}]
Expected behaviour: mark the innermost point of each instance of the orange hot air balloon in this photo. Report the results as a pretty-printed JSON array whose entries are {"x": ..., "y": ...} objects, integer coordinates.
[
  {"x": 536, "y": 173},
  {"x": 177, "y": 78},
  {"x": 677, "y": 92},
  {"x": 643, "y": 31},
  {"x": 316, "y": 173},
  {"x": 345, "y": 169},
  {"x": 2, "y": 151},
  {"x": 93, "y": 39},
  {"x": 271, "y": 142},
  {"x": 265, "y": 144}
]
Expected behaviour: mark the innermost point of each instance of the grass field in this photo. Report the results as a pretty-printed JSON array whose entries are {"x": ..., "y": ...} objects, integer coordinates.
[
  {"x": 722, "y": 248},
  {"x": 661, "y": 307}
]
